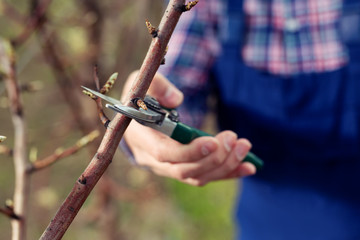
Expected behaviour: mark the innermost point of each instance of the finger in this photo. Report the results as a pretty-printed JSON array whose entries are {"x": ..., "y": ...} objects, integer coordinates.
[
  {"x": 161, "y": 88},
  {"x": 233, "y": 161},
  {"x": 127, "y": 86},
  {"x": 171, "y": 151},
  {"x": 166, "y": 169},
  {"x": 165, "y": 92},
  {"x": 164, "y": 148},
  {"x": 213, "y": 160},
  {"x": 243, "y": 170}
]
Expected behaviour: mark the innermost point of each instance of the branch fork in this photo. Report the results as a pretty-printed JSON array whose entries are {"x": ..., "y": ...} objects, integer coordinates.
[
  {"x": 8, "y": 210},
  {"x": 104, "y": 90}
]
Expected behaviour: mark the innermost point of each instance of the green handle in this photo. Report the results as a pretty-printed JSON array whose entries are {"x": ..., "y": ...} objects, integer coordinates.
[{"x": 185, "y": 134}]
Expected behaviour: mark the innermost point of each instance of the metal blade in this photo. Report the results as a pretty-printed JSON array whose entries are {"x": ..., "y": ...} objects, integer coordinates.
[
  {"x": 106, "y": 98},
  {"x": 136, "y": 114},
  {"x": 116, "y": 105}
]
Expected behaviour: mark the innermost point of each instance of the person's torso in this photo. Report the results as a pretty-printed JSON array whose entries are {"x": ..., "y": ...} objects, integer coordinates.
[{"x": 306, "y": 128}]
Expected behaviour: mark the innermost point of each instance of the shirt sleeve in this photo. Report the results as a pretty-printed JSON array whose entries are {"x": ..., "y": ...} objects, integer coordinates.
[{"x": 192, "y": 50}]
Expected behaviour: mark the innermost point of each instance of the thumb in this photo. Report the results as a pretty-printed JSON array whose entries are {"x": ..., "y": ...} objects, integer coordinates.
[
  {"x": 161, "y": 89},
  {"x": 165, "y": 92}
]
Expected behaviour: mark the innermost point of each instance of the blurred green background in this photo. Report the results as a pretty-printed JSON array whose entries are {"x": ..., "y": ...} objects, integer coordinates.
[{"x": 137, "y": 205}]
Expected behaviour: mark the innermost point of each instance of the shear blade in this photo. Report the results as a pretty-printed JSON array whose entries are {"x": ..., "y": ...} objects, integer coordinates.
[
  {"x": 106, "y": 98},
  {"x": 135, "y": 114},
  {"x": 116, "y": 105}
]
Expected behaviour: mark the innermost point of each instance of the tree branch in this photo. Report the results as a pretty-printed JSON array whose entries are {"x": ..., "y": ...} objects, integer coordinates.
[
  {"x": 94, "y": 30},
  {"x": 3, "y": 149},
  {"x": 105, "y": 89},
  {"x": 64, "y": 79},
  {"x": 60, "y": 154},
  {"x": 8, "y": 210},
  {"x": 6, "y": 150},
  {"x": 88, "y": 179},
  {"x": 12, "y": 13},
  {"x": 35, "y": 20},
  {"x": 22, "y": 181}
]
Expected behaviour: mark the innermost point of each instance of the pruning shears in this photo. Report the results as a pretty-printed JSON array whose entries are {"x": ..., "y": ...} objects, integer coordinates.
[{"x": 153, "y": 115}]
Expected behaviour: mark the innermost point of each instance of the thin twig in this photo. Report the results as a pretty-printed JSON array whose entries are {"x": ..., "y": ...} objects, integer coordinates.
[
  {"x": 103, "y": 118},
  {"x": 68, "y": 80},
  {"x": 65, "y": 80},
  {"x": 108, "y": 220},
  {"x": 105, "y": 89},
  {"x": 60, "y": 153},
  {"x": 6, "y": 150},
  {"x": 12, "y": 13},
  {"x": 22, "y": 181},
  {"x": 8, "y": 210},
  {"x": 35, "y": 20},
  {"x": 95, "y": 30},
  {"x": 96, "y": 77},
  {"x": 10, "y": 213},
  {"x": 102, "y": 159},
  {"x": 31, "y": 86}
]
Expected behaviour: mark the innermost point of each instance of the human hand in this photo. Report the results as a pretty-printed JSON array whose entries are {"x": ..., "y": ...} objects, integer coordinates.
[{"x": 203, "y": 160}]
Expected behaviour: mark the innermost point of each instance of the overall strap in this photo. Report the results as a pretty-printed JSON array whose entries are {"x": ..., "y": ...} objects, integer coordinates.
[{"x": 232, "y": 26}]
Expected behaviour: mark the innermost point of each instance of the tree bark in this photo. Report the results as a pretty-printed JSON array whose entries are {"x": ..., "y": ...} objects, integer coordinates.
[
  {"x": 102, "y": 159},
  {"x": 22, "y": 179}
]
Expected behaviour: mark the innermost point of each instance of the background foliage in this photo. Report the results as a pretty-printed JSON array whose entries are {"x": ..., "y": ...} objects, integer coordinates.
[{"x": 140, "y": 205}]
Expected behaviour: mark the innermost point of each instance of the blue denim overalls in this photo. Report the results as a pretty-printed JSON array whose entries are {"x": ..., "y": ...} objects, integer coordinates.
[{"x": 306, "y": 128}]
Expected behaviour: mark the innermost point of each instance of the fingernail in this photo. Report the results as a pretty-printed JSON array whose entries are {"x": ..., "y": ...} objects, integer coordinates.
[
  {"x": 240, "y": 152},
  {"x": 173, "y": 95},
  {"x": 208, "y": 148},
  {"x": 228, "y": 143}
]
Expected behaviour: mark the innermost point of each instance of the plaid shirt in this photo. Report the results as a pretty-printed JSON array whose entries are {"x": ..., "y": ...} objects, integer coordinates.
[
  {"x": 282, "y": 37},
  {"x": 287, "y": 37}
]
